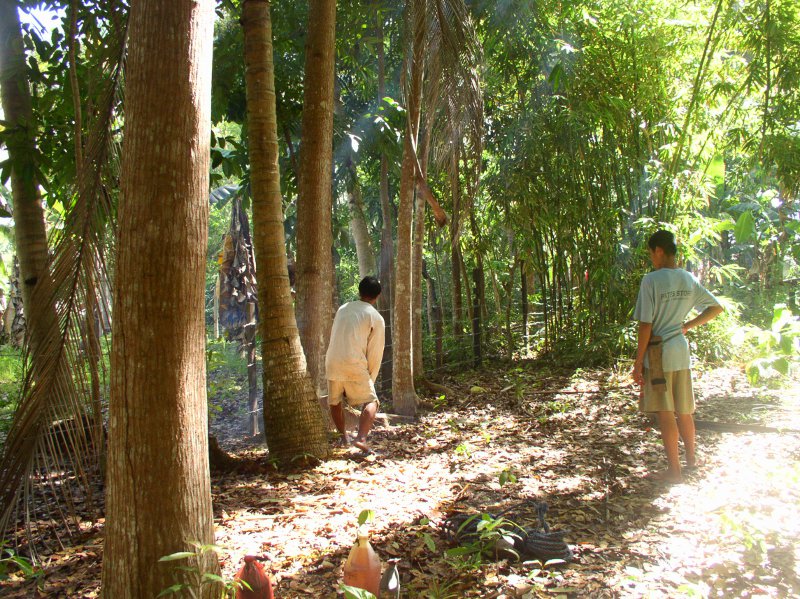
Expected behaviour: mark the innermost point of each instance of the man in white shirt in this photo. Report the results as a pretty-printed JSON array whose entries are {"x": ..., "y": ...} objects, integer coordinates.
[
  {"x": 663, "y": 371},
  {"x": 354, "y": 359}
]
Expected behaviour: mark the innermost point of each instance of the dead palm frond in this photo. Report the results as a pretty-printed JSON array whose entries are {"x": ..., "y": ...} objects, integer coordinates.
[{"x": 52, "y": 453}]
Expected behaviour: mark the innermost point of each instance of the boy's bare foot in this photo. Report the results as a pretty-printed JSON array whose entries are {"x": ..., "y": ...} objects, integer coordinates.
[
  {"x": 665, "y": 477},
  {"x": 693, "y": 463}
]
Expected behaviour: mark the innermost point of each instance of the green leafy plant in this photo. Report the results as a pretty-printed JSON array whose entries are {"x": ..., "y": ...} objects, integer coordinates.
[
  {"x": 777, "y": 349},
  {"x": 439, "y": 401},
  {"x": 463, "y": 450},
  {"x": 753, "y": 540},
  {"x": 356, "y": 593},
  {"x": 427, "y": 538},
  {"x": 507, "y": 475},
  {"x": 192, "y": 579},
  {"x": 492, "y": 536},
  {"x": 441, "y": 589},
  {"x": 365, "y": 516},
  {"x": 11, "y": 562}
]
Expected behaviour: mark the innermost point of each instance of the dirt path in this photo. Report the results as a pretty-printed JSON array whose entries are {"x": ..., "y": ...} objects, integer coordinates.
[{"x": 506, "y": 435}]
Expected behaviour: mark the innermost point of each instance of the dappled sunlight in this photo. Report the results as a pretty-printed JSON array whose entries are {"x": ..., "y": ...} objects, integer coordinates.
[{"x": 732, "y": 529}]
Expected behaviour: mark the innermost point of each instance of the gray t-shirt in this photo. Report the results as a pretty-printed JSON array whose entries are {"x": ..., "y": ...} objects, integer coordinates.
[{"x": 666, "y": 296}]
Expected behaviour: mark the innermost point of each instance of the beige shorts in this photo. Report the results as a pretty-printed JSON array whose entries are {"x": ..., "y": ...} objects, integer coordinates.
[
  {"x": 678, "y": 398},
  {"x": 356, "y": 393}
]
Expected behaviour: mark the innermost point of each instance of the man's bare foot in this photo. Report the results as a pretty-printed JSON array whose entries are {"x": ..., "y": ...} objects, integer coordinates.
[
  {"x": 361, "y": 444},
  {"x": 666, "y": 477},
  {"x": 342, "y": 441}
]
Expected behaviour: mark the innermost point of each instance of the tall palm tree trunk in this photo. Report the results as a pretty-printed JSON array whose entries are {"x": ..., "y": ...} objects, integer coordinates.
[
  {"x": 314, "y": 236},
  {"x": 293, "y": 421},
  {"x": 159, "y": 493}
]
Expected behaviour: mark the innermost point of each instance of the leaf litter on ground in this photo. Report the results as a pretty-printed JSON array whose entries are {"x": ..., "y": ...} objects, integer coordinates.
[{"x": 574, "y": 440}]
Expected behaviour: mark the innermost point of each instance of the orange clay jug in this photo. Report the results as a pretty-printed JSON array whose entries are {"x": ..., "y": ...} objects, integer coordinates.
[
  {"x": 363, "y": 567},
  {"x": 253, "y": 573}
]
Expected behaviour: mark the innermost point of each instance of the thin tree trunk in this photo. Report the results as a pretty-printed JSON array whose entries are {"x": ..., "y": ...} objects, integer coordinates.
[
  {"x": 417, "y": 251},
  {"x": 159, "y": 493},
  {"x": 455, "y": 248},
  {"x": 404, "y": 397},
  {"x": 477, "y": 353},
  {"x": 417, "y": 255},
  {"x": 524, "y": 304},
  {"x": 293, "y": 422},
  {"x": 434, "y": 315},
  {"x": 358, "y": 228},
  {"x": 252, "y": 369},
  {"x": 216, "y": 307},
  {"x": 386, "y": 299},
  {"x": 314, "y": 236}
]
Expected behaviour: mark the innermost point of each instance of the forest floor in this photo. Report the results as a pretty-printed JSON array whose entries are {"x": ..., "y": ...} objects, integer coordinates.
[{"x": 506, "y": 434}]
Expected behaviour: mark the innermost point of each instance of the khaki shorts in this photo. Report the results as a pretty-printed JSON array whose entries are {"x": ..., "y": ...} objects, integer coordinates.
[
  {"x": 356, "y": 393},
  {"x": 678, "y": 397}
]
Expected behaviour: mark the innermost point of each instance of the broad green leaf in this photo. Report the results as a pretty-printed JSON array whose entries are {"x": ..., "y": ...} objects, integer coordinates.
[
  {"x": 745, "y": 228},
  {"x": 781, "y": 365},
  {"x": 458, "y": 551},
  {"x": 176, "y": 556},
  {"x": 787, "y": 345},
  {"x": 356, "y": 593},
  {"x": 780, "y": 317},
  {"x": 365, "y": 516},
  {"x": 175, "y": 588}
]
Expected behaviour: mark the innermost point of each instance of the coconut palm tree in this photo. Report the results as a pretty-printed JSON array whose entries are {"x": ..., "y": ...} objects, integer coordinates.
[
  {"x": 314, "y": 236},
  {"x": 293, "y": 421}
]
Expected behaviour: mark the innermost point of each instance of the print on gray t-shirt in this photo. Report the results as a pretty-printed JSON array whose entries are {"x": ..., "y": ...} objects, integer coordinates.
[{"x": 666, "y": 296}]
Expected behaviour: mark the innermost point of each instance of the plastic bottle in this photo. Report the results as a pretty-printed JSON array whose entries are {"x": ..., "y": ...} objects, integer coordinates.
[
  {"x": 363, "y": 566},
  {"x": 254, "y": 574}
]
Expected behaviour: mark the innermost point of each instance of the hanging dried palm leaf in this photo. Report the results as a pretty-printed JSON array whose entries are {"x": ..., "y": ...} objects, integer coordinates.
[{"x": 50, "y": 468}]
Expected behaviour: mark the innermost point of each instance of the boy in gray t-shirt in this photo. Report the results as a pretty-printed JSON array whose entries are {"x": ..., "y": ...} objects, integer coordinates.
[{"x": 666, "y": 297}]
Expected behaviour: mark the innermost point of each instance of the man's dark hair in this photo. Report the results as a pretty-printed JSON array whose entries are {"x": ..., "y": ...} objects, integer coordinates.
[
  {"x": 369, "y": 288},
  {"x": 664, "y": 240}
]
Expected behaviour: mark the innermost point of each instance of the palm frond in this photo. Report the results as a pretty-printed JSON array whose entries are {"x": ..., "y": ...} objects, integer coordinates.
[{"x": 51, "y": 457}]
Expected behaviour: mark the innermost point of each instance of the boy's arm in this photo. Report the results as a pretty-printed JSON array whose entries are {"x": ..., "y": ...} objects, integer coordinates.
[
  {"x": 645, "y": 332},
  {"x": 705, "y": 316}
]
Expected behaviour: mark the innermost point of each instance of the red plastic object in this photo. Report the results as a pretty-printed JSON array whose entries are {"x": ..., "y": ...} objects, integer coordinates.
[{"x": 253, "y": 573}]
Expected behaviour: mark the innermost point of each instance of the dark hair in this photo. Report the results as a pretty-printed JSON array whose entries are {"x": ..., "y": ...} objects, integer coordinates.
[
  {"x": 369, "y": 288},
  {"x": 664, "y": 240}
]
